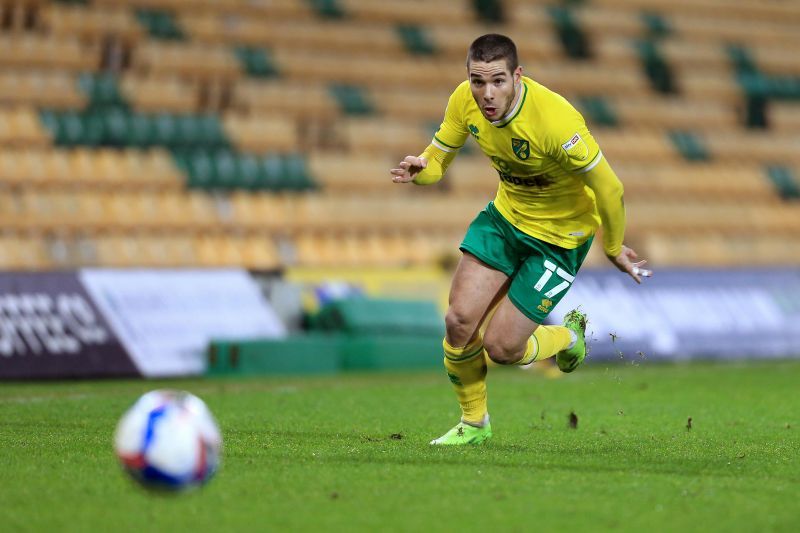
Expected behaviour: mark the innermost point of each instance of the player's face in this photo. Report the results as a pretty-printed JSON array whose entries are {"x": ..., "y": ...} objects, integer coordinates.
[{"x": 493, "y": 87}]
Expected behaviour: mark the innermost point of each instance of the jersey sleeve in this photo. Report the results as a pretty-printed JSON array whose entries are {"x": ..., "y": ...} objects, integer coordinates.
[
  {"x": 446, "y": 142},
  {"x": 569, "y": 141},
  {"x": 452, "y": 134},
  {"x": 608, "y": 191}
]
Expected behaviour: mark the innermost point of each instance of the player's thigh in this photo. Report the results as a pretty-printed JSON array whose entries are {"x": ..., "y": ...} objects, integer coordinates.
[
  {"x": 509, "y": 329},
  {"x": 476, "y": 287},
  {"x": 544, "y": 278}
]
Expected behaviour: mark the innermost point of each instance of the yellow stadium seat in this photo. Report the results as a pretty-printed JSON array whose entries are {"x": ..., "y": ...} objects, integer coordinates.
[
  {"x": 21, "y": 127},
  {"x": 37, "y": 51},
  {"x": 189, "y": 60},
  {"x": 166, "y": 94},
  {"x": 261, "y": 133}
]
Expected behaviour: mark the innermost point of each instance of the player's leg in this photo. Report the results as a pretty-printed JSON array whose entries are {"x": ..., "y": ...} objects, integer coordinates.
[
  {"x": 539, "y": 284},
  {"x": 513, "y": 338},
  {"x": 475, "y": 289}
]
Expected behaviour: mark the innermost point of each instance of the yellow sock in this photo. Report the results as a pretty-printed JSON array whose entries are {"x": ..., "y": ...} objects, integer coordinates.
[
  {"x": 545, "y": 342},
  {"x": 466, "y": 368}
]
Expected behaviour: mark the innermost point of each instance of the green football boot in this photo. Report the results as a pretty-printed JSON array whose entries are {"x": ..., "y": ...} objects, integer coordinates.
[
  {"x": 464, "y": 434},
  {"x": 569, "y": 359}
]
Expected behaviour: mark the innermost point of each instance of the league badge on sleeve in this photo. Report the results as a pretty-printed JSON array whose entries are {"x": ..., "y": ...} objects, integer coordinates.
[{"x": 576, "y": 148}]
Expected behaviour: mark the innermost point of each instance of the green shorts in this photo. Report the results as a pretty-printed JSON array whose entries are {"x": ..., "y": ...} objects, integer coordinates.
[{"x": 541, "y": 273}]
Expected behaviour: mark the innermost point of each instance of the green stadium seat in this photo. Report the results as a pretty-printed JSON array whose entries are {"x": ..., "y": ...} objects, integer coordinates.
[
  {"x": 117, "y": 124},
  {"x": 160, "y": 24},
  {"x": 72, "y": 128},
  {"x": 165, "y": 131},
  {"x": 656, "y": 67},
  {"x": 296, "y": 175},
  {"x": 741, "y": 59},
  {"x": 598, "y": 110},
  {"x": 416, "y": 41},
  {"x": 689, "y": 145},
  {"x": 352, "y": 99},
  {"x": 784, "y": 182},
  {"x": 490, "y": 11},
  {"x": 141, "y": 131},
  {"x": 257, "y": 62},
  {"x": 329, "y": 9},
  {"x": 657, "y": 27},
  {"x": 250, "y": 175},
  {"x": 202, "y": 171},
  {"x": 271, "y": 166},
  {"x": 226, "y": 169},
  {"x": 574, "y": 40},
  {"x": 101, "y": 89}
]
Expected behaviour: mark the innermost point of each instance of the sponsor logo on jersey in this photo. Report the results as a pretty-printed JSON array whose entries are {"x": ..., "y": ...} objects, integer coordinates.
[
  {"x": 521, "y": 147},
  {"x": 532, "y": 181},
  {"x": 576, "y": 148}
]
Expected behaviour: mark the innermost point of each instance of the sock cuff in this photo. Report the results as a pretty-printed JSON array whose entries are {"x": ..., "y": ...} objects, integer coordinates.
[
  {"x": 469, "y": 351},
  {"x": 482, "y": 423},
  {"x": 531, "y": 352}
]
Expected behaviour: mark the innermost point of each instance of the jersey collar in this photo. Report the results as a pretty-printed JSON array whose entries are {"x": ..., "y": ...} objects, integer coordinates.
[{"x": 512, "y": 114}]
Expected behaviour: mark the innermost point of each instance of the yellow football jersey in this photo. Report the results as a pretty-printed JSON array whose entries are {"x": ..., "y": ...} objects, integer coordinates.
[{"x": 539, "y": 149}]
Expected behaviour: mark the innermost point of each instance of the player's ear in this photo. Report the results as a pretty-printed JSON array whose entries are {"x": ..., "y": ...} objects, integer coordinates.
[{"x": 517, "y": 74}]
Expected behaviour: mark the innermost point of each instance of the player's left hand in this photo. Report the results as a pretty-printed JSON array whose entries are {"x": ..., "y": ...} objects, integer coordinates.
[{"x": 626, "y": 262}]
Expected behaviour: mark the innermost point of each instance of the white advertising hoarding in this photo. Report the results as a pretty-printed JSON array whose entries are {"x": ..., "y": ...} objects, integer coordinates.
[{"x": 166, "y": 318}]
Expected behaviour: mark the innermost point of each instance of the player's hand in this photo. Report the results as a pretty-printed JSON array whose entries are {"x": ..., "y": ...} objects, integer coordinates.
[
  {"x": 626, "y": 262},
  {"x": 408, "y": 169}
]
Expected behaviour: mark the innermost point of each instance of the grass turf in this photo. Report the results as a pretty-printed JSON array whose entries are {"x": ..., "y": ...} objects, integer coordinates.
[{"x": 351, "y": 453}]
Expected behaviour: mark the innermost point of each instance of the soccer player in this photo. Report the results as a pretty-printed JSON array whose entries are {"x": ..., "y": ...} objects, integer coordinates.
[{"x": 522, "y": 252}]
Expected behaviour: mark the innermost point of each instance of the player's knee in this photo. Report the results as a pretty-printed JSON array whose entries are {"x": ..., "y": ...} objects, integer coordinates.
[
  {"x": 460, "y": 325},
  {"x": 500, "y": 353}
]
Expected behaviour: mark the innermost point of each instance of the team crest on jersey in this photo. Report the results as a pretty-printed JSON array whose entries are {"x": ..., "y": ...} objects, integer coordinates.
[
  {"x": 473, "y": 129},
  {"x": 521, "y": 147},
  {"x": 576, "y": 148}
]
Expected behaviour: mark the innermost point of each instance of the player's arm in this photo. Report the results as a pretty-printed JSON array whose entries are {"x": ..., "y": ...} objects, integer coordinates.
[
  {"x": 429, "y": 167},
  {"x": 608, "y": 192},
  {"x": 424, "y": 169},
  {"x": 574, "y": 147}
]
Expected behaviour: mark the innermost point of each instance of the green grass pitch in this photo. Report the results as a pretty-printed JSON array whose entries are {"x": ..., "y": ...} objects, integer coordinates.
[{"x": 351, "y": 453}]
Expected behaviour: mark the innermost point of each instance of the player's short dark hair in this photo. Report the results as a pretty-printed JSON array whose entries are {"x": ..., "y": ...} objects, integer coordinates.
[{"x": 491, "y": 47}]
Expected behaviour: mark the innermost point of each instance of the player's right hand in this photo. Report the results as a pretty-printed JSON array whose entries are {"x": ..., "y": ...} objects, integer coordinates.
[{"x": 408, "y": 169}]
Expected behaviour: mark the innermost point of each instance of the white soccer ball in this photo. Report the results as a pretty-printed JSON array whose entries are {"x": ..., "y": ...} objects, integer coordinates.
[{"x": 169, "y": 440}]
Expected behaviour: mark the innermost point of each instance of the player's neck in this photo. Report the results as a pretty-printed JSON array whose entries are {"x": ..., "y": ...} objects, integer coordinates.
[{"x": 514, "y": 103}]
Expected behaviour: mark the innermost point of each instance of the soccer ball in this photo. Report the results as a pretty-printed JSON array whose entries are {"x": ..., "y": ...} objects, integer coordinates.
[{"x": 168, "y": 440}]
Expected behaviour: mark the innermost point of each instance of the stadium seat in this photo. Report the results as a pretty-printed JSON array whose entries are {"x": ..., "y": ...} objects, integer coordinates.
[
  {"x": 40, "y": 88},
  {"x": 283, "y": 125},
  {"x": 164, "y": 94},
  {"x": 20, "y": 127}
]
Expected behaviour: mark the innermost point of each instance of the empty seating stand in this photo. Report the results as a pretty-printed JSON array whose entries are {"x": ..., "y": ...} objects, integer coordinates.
[{"x": 228, "y": 132}]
